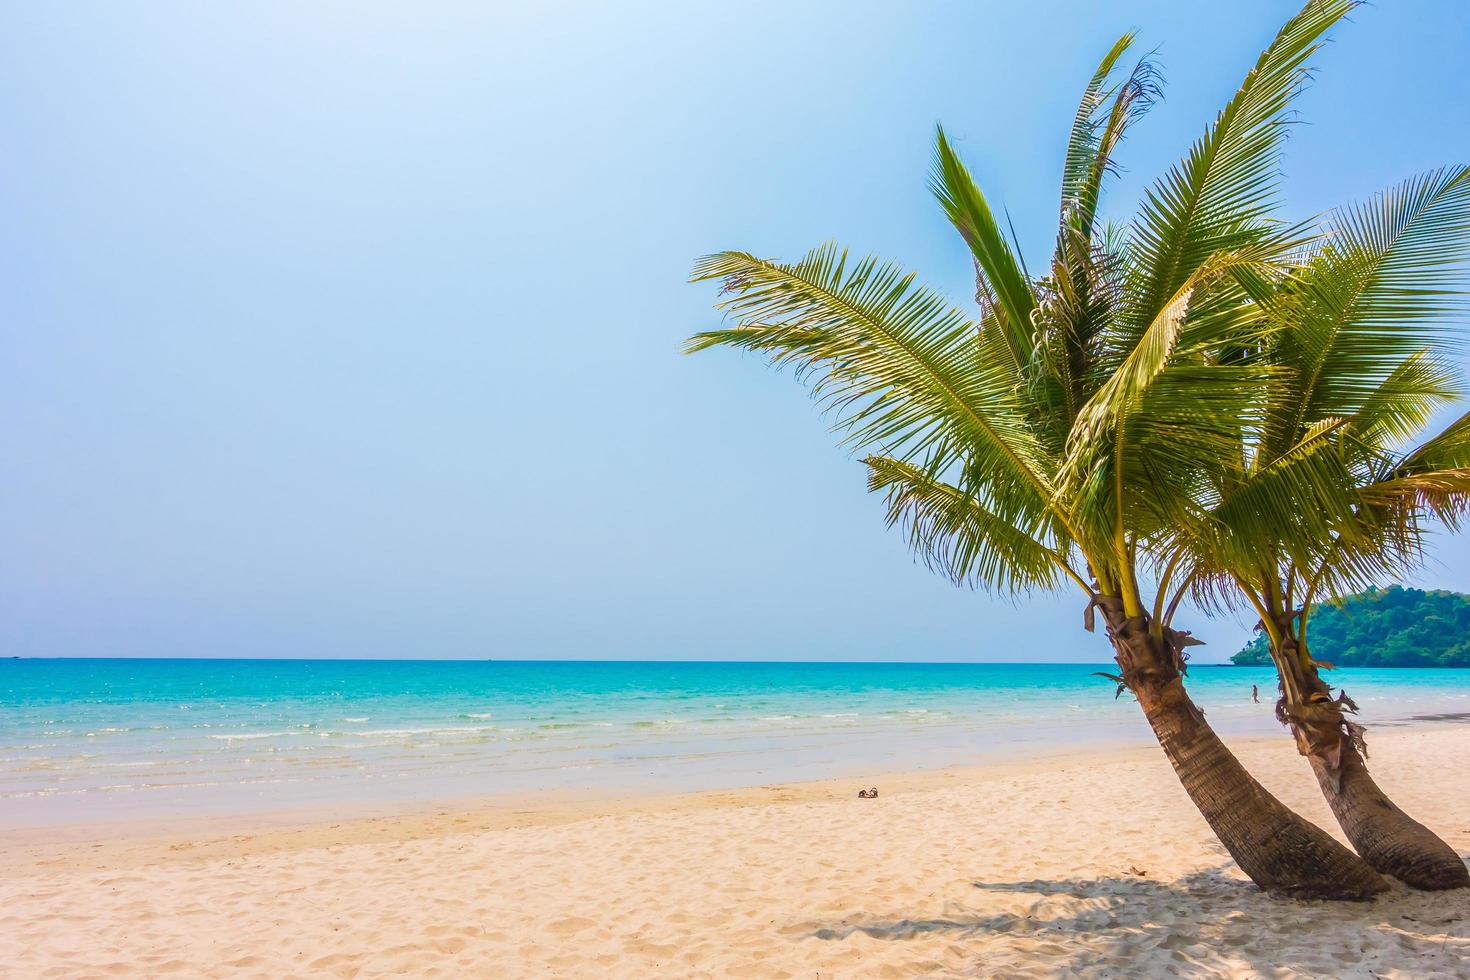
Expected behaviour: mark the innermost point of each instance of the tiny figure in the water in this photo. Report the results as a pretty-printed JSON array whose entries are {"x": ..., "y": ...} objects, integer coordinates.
[{"x": 1255, "y": 694}]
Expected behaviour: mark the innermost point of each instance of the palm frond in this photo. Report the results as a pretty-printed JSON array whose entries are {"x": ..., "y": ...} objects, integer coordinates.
[
  {"x": 1138, "y": 93},
  {"x": 1293, "y": 505},
  {"x": 954, "y": 533},
  {"x": 1085, "y": 287},
  {"x": 1220, "y": 196},
  {"x": 1404, "y": 402},
  {"x": 1104, "y": 448},
  {"x": 1433, "y": 478},
  {"x": 893, "y": 361},
  {"x": 1447, "y": 449},
  {"x": 1381, "y": 289},
  {"x": 1082, "y": 143},
  {"x": 1003, "y": 276}
]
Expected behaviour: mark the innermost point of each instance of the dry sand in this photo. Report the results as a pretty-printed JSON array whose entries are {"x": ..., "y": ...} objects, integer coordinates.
[{"x": 1071, "y": 866}]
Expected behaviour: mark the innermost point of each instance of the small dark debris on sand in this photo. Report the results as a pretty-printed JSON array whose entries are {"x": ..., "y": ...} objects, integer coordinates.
[{"x": 868, "y": 794}]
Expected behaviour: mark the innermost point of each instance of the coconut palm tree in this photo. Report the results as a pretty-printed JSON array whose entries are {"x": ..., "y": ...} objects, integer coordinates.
[
  {"x": 1360, "y": 327},
  {"x": 1047, "y": 441}
]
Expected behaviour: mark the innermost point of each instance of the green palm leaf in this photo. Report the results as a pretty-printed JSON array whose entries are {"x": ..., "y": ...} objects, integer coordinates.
[
  {"x": 1000, "y": 267},
  {"x": 1220, "y": 196},
  {"x": 1434, "y": 477},
  {"x": 1095, "y": 135},
  {"x": 1379, "y": 291},
  {"x": 1085, "y": 281},
  {"x": 1084, "y": 142},
  {"x": 1404, "y": 402},
  {"x": 893, "y": 361},
  {"x": 953, "y": 532},
  {"x": 1132, "y": 444}
]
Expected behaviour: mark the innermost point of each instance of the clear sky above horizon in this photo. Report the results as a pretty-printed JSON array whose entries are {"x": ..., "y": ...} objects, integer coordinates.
[{"x": 353, "y": 330}]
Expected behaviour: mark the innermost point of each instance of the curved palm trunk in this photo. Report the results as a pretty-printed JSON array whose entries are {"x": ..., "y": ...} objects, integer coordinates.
[
  {"x": 1278, "y": 850},
  {"x": 1388, "y": 838}
]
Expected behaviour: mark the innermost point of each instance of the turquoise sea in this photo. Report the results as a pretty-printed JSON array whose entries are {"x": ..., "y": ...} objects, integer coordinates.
[{"x": 104, "y": 739}]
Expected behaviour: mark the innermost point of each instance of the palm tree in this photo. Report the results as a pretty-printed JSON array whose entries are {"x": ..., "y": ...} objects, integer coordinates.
[
  {"x": 1359, "y": 326},
  {"x": 1049, "y": 441}
]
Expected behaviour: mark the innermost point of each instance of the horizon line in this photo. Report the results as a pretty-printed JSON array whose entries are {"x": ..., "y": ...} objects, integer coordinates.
[{"x": 595, "y": 660}]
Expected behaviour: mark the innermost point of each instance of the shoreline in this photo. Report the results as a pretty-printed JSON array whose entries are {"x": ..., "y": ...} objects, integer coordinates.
[
  {"x": 259, "y": 831},
  {"x": 293, "y": 827}
]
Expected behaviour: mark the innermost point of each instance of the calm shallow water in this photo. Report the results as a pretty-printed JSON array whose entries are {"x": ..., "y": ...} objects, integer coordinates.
[{"x": 102, "y": 739}]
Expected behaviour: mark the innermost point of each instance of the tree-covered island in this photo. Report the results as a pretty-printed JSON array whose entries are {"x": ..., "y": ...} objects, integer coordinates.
[{"x": 1392, "y": 627}]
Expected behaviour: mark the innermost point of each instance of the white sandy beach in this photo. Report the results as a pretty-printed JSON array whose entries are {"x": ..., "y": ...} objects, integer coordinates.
[{"x": 1073, "y": 866}]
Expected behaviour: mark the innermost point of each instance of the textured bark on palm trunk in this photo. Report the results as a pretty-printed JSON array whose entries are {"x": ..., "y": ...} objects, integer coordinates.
[
  {"x": 1277, "y": 849},
  {"x": 1387, "y": 838}
]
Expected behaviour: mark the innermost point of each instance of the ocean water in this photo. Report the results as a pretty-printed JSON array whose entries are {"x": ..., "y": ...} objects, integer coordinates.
[{"x": 84, "y": 740}]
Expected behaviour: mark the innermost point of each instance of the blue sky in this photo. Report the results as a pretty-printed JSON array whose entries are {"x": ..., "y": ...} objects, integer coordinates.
[{"x": 346, "y": 329}]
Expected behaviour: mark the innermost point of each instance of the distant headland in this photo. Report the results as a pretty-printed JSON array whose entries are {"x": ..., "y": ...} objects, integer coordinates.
[{"x": 1392, "y": 627}]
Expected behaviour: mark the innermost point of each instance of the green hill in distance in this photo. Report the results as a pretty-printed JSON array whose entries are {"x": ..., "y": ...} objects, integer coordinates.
[{"x": 1392, "y": 627}]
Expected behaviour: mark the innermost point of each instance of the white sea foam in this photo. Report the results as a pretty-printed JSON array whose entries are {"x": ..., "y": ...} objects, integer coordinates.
[
  {"x": 437, "y": 730},
  {"x": 246, "y": 736}
]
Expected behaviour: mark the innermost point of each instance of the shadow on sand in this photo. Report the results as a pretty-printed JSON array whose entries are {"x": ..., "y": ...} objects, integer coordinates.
[{"x": 1205, "y": 924}]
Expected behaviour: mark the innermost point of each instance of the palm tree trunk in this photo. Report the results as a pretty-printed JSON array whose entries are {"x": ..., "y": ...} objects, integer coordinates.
[
  {"x": 1388, "y": 838},
  {"x": 1278, "y": 850}
]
